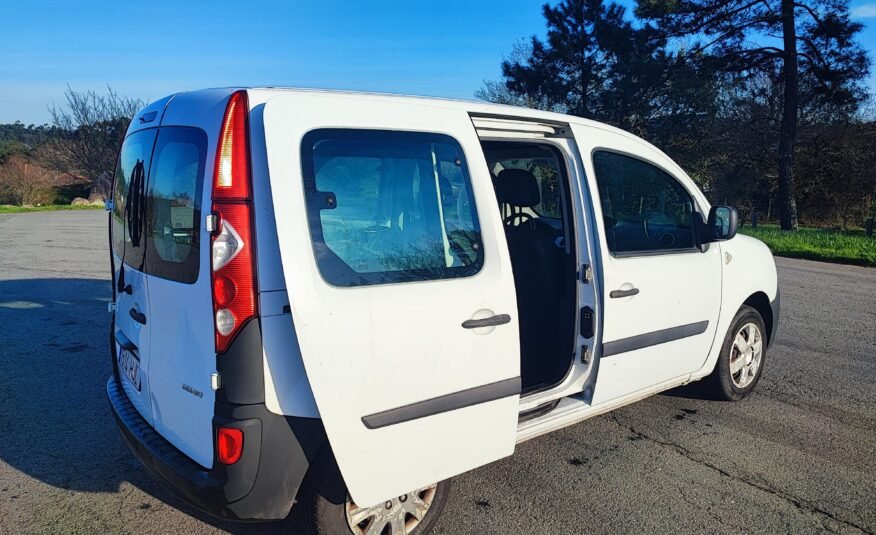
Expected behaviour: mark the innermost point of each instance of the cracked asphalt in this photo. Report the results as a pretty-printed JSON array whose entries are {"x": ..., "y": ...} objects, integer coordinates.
[{"x": 798, "y": 456}]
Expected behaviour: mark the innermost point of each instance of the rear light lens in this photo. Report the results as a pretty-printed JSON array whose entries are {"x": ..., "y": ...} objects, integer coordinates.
[
  {"x": 229, "y": 445},
  {"x": 232, "y": 158},
  {"x": 225, "y": 322},
  {"x": 224, "y": 290},
  {"x": 226, "y": 246},
  {"x": 232, "y": 243}
]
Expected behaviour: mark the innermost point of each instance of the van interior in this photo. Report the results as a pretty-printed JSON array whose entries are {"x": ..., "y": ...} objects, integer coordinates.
[{"x": 531, "y": 187}]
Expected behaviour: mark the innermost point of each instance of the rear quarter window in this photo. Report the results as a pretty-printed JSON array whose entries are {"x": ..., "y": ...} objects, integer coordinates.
[{"x": 174, "y": 204}]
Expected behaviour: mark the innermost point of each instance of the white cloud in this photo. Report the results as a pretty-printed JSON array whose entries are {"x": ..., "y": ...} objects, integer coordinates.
[{"x": 864, "y": 11}]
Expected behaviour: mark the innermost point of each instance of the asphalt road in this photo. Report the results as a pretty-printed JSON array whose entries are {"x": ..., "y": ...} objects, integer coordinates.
[{"x": 798, "y": 456}]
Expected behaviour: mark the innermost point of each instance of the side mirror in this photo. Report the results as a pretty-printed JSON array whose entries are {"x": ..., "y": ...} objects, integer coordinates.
[{"x": 723, "y": 222}]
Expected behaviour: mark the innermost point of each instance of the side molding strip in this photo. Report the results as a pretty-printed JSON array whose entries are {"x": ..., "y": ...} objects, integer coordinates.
[
  {"x": 449, "y": 402},
  {"x": 653, "y": 338}
]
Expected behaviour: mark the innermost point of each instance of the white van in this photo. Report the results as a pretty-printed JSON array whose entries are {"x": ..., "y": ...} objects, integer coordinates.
[{"x": 341, "y": 300}]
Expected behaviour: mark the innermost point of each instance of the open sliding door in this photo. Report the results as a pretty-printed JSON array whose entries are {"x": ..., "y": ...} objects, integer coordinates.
[{"x": 400, "y": 284}]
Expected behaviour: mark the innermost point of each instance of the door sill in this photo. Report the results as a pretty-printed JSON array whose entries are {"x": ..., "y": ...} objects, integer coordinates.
[{"x": 537, "y": 412}]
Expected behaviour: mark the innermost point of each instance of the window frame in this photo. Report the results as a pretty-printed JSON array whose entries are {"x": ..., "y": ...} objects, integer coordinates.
[
  {"x": 314, "y": 203},
  {"x": 696, "y": 222}
]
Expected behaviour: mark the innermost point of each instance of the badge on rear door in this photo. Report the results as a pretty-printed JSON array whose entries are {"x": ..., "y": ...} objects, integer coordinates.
[{"x": 193, "y": 391}]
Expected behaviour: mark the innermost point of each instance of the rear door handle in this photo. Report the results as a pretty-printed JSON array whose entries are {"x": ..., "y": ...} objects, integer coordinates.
[
  {"x": 498, "y": 319},
  {"x": 139, "y": 317},
  {"x": 623, "y": 293}
]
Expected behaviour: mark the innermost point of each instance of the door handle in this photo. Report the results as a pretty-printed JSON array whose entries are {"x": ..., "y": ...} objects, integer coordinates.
[
  {"x": 498, "y": 319},
  {"x": 615, "y": 294},
  {"x": 139, "y": 317}
]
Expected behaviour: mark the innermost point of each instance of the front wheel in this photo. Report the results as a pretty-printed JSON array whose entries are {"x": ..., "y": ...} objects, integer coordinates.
[
  {"x": 741, "y": 362},
  {"x": 329, "y": 509}
]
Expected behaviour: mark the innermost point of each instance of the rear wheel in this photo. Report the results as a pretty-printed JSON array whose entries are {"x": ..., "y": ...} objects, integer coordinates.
[
  {"x": 741, "y": 362},
  {"x": 329, "y": 509}
]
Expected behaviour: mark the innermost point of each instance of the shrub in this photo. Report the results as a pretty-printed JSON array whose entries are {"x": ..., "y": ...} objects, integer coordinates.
[{"x": 24, "y": 182}]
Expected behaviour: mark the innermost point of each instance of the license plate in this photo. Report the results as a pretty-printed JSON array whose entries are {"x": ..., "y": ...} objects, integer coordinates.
[{"x": 129, "y": 366}]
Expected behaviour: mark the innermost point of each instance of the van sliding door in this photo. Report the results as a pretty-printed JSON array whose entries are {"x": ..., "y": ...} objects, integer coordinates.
[{"x": 401, "y": 286}]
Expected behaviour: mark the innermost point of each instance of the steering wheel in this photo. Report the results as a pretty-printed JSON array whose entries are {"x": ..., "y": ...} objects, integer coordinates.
[
  {"x": 523, "y": 215},
  {"x": 665, "y": 239}
]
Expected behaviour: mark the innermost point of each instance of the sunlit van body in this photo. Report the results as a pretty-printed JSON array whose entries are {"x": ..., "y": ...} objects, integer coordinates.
[{"x": 341, "y": 300}]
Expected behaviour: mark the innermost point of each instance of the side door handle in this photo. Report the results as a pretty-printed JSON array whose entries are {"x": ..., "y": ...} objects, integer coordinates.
[
  {"x": 138, "y": 316},
  {"x": 615, "y": 294},
  {"x": 498, "y": 319}
]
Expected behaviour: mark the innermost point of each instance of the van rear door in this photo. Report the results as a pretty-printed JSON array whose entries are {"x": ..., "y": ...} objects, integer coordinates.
[
  {"x": 127, "y": 226},
  {"x": 400, "y": 283},
  {"x": 182, "y": 350}
]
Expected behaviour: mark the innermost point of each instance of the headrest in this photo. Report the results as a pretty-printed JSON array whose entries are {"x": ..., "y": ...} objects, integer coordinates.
[{"x": 517, "y": 187}]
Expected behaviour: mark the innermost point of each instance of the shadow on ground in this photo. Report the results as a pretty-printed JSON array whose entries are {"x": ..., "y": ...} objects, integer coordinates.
[{"x": 55, "y": 423}]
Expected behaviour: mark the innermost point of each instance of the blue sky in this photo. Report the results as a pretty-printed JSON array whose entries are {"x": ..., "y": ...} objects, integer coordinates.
[{"x": 148, "y": 49}]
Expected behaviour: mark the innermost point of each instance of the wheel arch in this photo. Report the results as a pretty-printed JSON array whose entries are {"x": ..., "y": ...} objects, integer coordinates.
[{"x": 760, "y": 302}]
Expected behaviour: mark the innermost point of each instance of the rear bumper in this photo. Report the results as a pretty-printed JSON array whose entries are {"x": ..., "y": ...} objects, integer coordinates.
[{"x": 261, "y": 486}]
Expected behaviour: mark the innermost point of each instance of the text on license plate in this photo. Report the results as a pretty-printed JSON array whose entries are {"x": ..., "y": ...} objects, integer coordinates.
[{"x": 129, "y": 366}]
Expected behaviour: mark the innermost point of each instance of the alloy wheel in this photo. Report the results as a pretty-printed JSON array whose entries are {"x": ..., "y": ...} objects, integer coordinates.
[
  {"x": 746, "y": 355},
  {"x": 398, "y": 516}
]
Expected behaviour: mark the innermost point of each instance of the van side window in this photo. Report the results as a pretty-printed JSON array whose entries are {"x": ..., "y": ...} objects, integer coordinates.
[
  {"x": 129, "y": 183},
  {"x": 387, "y": 207},
  {"x": 175, "y": 204},
  {"x": 644, "y": 208}
]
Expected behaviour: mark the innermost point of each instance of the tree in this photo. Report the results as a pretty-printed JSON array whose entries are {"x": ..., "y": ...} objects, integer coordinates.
[
  {"x": 805, "y": 40},
  {"x": 596, "y": 64},
  {"x": 23, "y": 182},
  {"x": 498, "y": 92},
  {"x": 11, "y": 148},
  {"x": 584, "y": 65},
  {"x": 94, "y": 126},
  {"x": 835, "y": 178}
]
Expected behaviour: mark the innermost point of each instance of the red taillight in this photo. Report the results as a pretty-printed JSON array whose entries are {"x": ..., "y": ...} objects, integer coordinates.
[
  {"x": 224, "y": 290},
  {"x": 229, "y": 445},
  {"x": 233, "y": 240},
  {"x": 232, "y": 159}
]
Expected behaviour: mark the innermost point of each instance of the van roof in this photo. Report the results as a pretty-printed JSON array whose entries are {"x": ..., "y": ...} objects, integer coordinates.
[
  {"x": 265, "y": 93},
  {"x": 471, "y": 106},
  {"x": 474, "y": 106}
]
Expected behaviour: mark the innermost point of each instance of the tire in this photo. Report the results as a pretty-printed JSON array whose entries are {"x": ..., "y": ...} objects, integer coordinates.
[
  {"x": 324, "y": 503},
  {"x": 733, "y": 379}
]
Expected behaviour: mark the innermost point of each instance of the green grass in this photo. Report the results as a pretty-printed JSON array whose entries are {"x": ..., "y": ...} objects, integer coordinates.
[
  {"x": 826, "y": 245},
  {"x": 11, "y": 209}
]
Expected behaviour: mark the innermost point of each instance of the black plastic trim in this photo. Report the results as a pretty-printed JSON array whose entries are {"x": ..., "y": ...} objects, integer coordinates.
[
  {"x": 448, "y": 402},
  {"x": 539, "y": 411},
  {"x": 776, "y": 306},
  {"x": 241, "y": 367},
  {"x": 261, "y": 486},
  {"x": 654, "y": 338}
]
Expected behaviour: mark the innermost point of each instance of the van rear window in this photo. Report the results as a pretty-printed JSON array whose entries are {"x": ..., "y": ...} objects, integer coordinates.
[
  {"x": 388, "y": 207},
  {"x": 129, "y": 183},
  {"x": 174, "y": 206}
]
